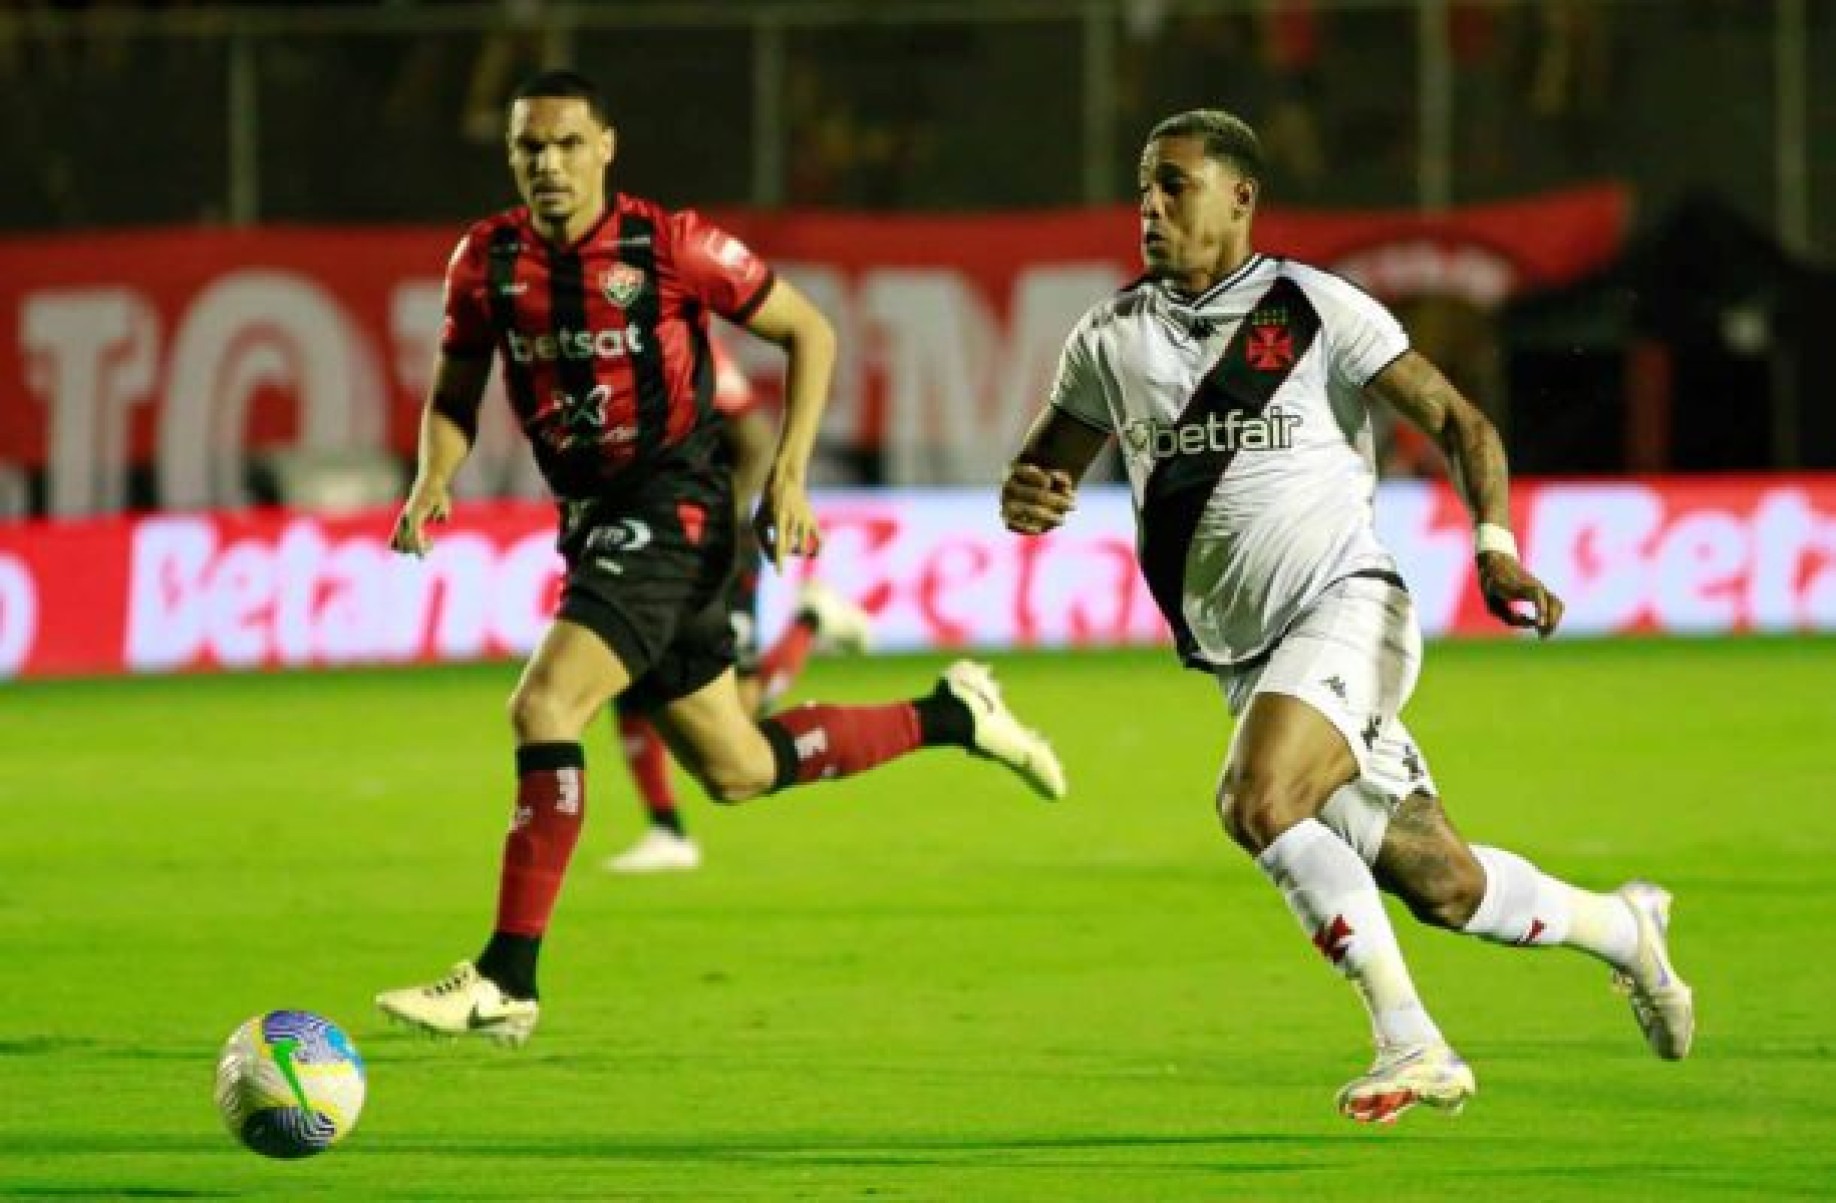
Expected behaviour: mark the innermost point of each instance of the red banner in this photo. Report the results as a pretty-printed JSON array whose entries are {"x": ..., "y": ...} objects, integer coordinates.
[
  {"x": 183, "y": 352},
  {"x": 198, "y": 592}
]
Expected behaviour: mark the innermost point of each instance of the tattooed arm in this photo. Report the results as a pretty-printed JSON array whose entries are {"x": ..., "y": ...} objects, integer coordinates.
[{"x": 1415, "y": 388}]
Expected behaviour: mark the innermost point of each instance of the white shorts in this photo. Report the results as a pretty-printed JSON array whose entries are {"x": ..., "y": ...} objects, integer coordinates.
[{"x": 1354, "y": 656}]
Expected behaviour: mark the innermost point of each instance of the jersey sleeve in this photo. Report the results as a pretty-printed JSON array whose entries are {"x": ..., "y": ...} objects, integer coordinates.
[
  {"x": 1077, "y": 389},
  {"x": 718, "y": 269},
  {"x": 465, "y": 321},
  {"x": 1362, "y": 336}
]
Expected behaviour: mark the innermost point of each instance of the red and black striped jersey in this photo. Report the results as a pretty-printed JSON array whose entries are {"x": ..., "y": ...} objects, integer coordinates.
[{"x": 604, "y": 342}]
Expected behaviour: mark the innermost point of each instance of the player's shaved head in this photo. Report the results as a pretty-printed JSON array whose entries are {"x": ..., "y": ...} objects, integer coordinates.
[
  {"x": 1226, "y": 137},
  {"x": 564, "y": 85}
]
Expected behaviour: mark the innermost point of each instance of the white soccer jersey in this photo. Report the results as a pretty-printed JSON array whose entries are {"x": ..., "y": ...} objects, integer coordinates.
[{"x": 1290, "y": 512}]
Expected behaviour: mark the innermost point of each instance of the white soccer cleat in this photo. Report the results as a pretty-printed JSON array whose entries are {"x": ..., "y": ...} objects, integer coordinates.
[
  {"x": 1662, "y": 1002},
  {"x": 463, "y": 1004},
  {"x": 999, "y": 735},
  {"x": 660, "y": 851},
  {"x": 1404, "y": 1075},
  {"x": 841, "y": 625}
]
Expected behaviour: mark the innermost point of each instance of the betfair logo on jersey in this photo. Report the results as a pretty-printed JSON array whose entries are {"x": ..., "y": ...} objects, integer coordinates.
[
  {"x": 1229, "y": 432},
  {"x": 576, "y": 344}
]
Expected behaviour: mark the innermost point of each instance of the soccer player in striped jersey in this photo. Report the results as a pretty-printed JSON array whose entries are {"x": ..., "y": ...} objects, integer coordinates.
[
  {"x": 823, "y": 615},
  {"x": 597, "y": 305},
  {"x": 1239, "y": 386}
]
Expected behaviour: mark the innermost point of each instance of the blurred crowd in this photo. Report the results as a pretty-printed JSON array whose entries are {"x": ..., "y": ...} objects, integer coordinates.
[{"x": 877, "y": 115}]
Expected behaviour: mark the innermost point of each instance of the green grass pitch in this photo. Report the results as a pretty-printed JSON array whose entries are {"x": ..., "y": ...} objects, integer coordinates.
[{"x": 922, "y": 984}]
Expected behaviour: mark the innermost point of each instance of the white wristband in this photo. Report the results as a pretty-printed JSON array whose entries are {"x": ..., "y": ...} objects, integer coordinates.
[{"x": 1492, "y": 537}]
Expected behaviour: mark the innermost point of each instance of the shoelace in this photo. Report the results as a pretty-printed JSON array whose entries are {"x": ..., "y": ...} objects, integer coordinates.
[{"x": 457, "y": 980}]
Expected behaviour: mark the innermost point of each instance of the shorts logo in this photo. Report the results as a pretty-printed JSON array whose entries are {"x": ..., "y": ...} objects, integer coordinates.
[
  {"x": 1412, "y": 761},
  {"x": 625, "y": 535},
  {"x": 621, "y": 283}
]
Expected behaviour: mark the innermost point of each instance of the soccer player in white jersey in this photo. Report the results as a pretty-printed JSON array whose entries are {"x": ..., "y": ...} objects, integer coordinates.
[{"x": 1239, "y": 387}]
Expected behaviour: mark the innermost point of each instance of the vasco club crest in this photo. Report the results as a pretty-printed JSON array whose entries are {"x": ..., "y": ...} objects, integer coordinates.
[
  {"x": 621, "y": 283},
  {"x": 1270, "y": 347}
]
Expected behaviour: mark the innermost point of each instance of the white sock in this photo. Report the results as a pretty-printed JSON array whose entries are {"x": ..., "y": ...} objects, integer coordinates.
[
  {"x": 1331, "y": 891},
  {"x": 1527, "y": 907}
]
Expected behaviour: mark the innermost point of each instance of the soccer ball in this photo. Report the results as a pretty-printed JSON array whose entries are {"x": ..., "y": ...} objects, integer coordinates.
[{"x": 289, "y": 1084}]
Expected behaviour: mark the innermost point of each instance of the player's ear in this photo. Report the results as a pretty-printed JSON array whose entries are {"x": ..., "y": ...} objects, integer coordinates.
[
  {"x": 1245, "y": 197},
  {"x": 611, "y": 143}
]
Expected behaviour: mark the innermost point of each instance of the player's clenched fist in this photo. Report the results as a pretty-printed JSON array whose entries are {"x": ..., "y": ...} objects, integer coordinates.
[
  {"x": 1515, "y": 597},
  {"x": 1035, "y": 500},
  {"x": 425, "y": 504}
]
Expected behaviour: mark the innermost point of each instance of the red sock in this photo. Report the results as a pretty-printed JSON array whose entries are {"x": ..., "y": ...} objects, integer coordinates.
[
  {"x": 816, "y": 742},
  {"x": 648, "y": 761},
  {"x": 550, "y": 806},
  {"x": 782, "y": 663}
]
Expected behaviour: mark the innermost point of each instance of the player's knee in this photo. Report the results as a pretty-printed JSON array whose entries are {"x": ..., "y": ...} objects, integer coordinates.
[
  {"x": 1257, "y": 807},
  {"x": 539, "y": 715},
  {"x": 728, "y": 787},
  {"x": 736, "y": 776}
]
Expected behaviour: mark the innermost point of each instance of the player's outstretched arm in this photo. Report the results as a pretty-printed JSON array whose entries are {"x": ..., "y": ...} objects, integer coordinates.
[
  {"x": 449, "y": 422},
  {"x": 1418, "y": 391},
  {"x": 785, "y": 524},
  {"x": 1040, "y": 489}
]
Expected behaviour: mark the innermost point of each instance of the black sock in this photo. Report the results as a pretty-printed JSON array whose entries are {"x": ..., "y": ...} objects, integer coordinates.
[
  {"x": 670, "y": 821},
  {"x": 943, "y": 718},
  {"x": 510, "y": 961}
]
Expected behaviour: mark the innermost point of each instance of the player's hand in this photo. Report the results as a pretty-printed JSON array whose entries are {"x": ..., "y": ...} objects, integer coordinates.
[
  {"x": 785, "y": 524},
  {"x": 426, "y": 503},
  {"x": 1515, "y": 597},
  {"x": 1035, "y": 500}
]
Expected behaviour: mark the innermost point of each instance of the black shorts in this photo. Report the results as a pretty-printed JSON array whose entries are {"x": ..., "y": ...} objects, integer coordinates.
[{"x": 649, "y": 572}]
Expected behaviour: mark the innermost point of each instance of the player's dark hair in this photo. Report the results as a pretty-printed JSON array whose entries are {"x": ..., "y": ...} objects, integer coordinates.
[
  {"x": 560, "y": 84},
  {"x": 1228, "y": 138}
]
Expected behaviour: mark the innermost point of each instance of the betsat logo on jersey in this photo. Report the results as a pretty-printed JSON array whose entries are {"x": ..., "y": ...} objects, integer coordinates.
[
  {"x": 576, "y": 344},
  {"x": 1271, "y": 430}
]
